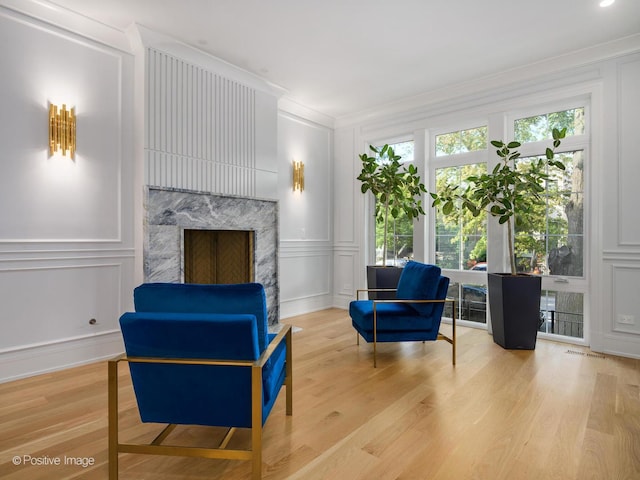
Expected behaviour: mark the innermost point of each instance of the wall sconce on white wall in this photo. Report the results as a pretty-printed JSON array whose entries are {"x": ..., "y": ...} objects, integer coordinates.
[
  {"x": 298, "y": 176},
  {"x": 62, "y": 130}
]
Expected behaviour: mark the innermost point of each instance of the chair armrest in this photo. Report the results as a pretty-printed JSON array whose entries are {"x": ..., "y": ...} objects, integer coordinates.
[
  {"x": 373, "y": 290},
  {"x": 284, "y": 332},
  {"x": 408, "y": 300}
]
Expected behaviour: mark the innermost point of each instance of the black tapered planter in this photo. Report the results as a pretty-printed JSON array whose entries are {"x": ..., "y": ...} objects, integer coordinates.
[
  {"x": 382, "y": 277},
  {"x": 515, "y": 309}
]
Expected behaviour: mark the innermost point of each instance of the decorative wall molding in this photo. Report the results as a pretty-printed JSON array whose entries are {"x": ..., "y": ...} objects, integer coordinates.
[
  {"x": 194, "y": 56},
  {"x": 289, "y": 106},
  {"x": 628, "y": 148},
  {"x": 79, "y": 24},
  {"x": 200, "y": 128},
  {"x": 27, "y": 360},
  {"x": 512, "y": 83}
]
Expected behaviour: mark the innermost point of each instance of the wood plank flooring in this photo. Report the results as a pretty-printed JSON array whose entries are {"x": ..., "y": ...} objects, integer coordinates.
[{"x": 559, "y": 412}]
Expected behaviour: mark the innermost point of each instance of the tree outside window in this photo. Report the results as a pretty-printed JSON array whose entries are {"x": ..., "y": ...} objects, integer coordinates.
[
  {"x": 550, "y": 240},
  {"x": 400, "y": 234}
]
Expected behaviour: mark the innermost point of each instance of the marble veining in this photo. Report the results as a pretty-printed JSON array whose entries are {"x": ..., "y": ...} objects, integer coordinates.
[{"x": 170, "y": 211}]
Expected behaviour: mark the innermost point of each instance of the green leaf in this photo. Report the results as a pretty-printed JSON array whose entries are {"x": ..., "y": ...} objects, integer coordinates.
[
  {"x": 497, "y": 143},
  {"x": 447, "y": 208},
  {"x": 513, "y": 145},
  {"x": 549, "y": 153}
]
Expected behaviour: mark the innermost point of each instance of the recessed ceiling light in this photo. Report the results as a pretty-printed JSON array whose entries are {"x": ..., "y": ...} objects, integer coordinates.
[{"x": 606, "y": 3}]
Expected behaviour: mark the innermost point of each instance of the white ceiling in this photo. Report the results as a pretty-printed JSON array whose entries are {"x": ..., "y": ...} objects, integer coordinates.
[{"x": 340, "y": 57}]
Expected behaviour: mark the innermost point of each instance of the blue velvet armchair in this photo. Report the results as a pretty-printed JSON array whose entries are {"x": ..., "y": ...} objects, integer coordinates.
[
  {"x": 201, "y": 355},
  {"x": 415, "y": 314}
]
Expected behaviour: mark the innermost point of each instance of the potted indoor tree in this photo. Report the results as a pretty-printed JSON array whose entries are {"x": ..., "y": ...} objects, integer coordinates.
[
  {"x": 509, "y": 192},
  {"x": 398, "y": 191}
]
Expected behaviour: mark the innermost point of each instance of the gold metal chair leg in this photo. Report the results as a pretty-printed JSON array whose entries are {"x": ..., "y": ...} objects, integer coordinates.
[
  {"x": 113, "y": 420},
  {"x": 164, "y": 434},
  {"x": 227, "y": 438},
  {"x": 453, "y": 333},
  {"x": 256, "y": 423},
  {"x": 289, "y": 372},
  {"x": 375, "y": 363},
  {"x": 375, "y": 335}
]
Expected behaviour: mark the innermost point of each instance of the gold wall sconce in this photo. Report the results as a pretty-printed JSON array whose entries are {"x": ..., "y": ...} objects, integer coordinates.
[
  {"x": 62, "y": 130},
  {"x": 298, "y": 176}
]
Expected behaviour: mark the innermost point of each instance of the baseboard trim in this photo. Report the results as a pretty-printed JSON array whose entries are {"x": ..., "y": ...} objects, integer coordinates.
[{"x": 39, "y": 359}]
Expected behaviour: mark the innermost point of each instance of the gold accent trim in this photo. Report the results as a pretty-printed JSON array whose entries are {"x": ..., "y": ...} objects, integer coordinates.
[
  {"x": 62, "y": 130},
  {"x": 255, "y": 454},
  {"x": 451, "y": 340},
  {"x": 227, "y": 438},
  {"x": 298, "y": 176}
]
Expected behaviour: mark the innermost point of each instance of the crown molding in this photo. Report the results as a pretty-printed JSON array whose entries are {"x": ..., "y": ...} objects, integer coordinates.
[
  {"x": 167, "y": 44},
  {"x": 71, "y": 21},
  {"x": 494, "y": 85}
]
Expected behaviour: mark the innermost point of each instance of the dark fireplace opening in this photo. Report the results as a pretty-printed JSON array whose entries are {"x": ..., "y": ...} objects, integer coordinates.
[{"x": 219, "y": 256}]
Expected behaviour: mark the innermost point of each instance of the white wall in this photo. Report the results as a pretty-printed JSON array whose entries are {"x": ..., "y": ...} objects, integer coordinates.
[
  {"x": 306, "y": 222},
  {"x": 609, "y": 75},
  {"x": 66, "y": 235},
  {"x": 618, "y": 273}
]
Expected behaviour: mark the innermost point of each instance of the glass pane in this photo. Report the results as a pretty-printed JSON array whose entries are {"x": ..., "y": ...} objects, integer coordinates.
[
  {"x": 461, "y": 141},
  {"x": 461, "y": 238},
  {"x": 447, "y": 251},
  {"x": 400, "y": 230},
  {"x": 562, "y": 313},
  {"x": 471, "y": 302},
  {"x": 550, "y": 238},
  {"x": 405, "y": 150},
  {"x": 539, "y": 127}
]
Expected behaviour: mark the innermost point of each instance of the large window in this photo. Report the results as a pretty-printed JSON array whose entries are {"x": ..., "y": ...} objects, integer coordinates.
[
  {"x": 550, "y": 240},
  {"x": 461, "y": 240},
  {"x": 400, "y": 234}
]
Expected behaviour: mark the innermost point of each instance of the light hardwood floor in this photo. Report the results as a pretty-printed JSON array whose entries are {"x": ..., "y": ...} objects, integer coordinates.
[{"x": 559, "y": 412}]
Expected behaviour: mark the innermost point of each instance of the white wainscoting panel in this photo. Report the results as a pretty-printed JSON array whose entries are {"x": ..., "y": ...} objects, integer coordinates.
[
  {"x": 345, "y": 276},
  {"x": 629, "y": 151},
  {"x": 305, "y": 277},
  {"x": 626, "y": 279}
]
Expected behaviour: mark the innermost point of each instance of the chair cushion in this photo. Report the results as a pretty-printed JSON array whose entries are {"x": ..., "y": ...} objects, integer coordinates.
[
  {"x": 419, "y": 281},
  {"x": 390, "y": 317},
  {"x": 246, "y": 298},
  {"x": 187, "y": 394}
]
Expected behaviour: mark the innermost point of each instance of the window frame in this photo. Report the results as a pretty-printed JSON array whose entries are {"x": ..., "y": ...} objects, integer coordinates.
[
  {"x": 370, "y": 222},
  {"x": 501, "y": 125}
]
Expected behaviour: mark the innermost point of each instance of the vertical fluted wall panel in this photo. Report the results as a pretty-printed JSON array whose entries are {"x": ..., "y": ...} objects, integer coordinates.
[{"x": 200, "y": 129}]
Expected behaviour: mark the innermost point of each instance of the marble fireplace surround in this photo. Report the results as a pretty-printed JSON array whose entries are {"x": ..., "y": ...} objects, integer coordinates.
[{"x": 170, "y": 211}]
